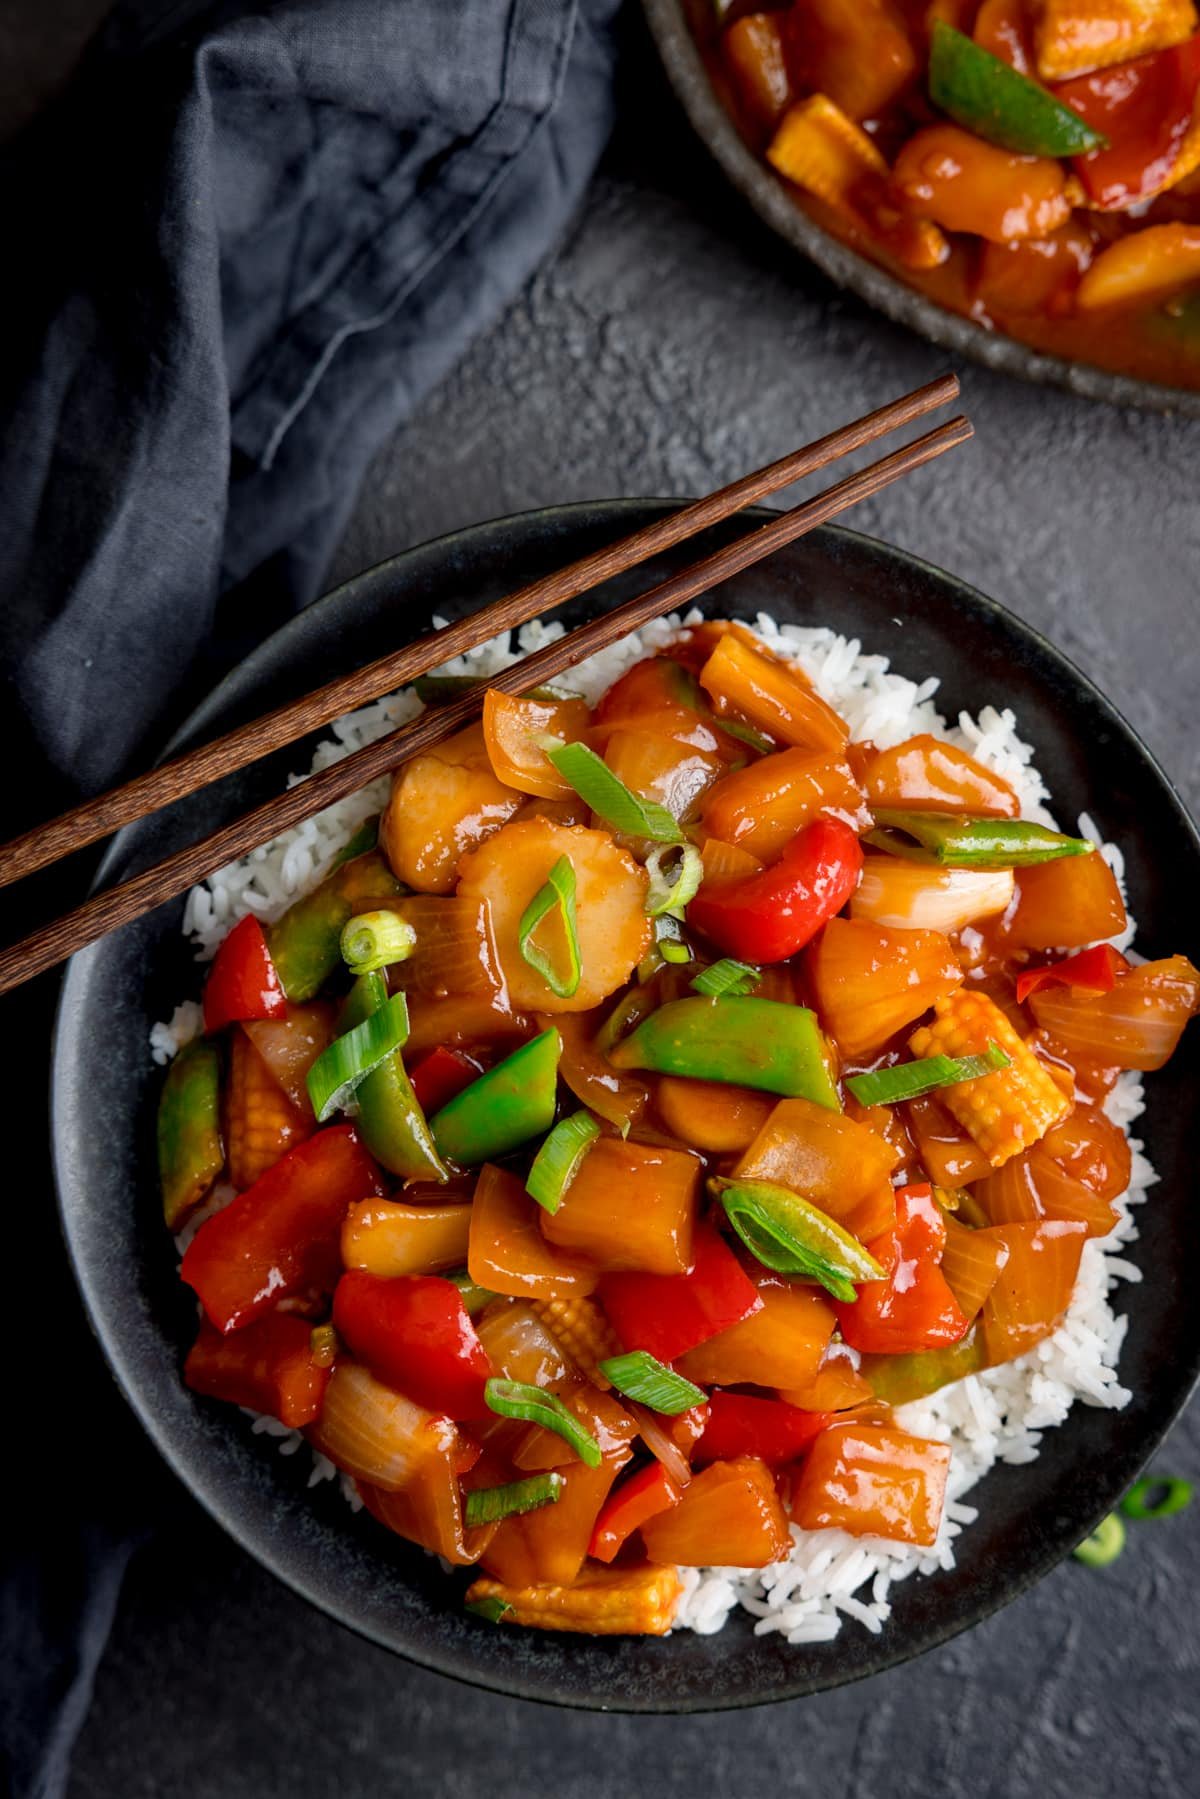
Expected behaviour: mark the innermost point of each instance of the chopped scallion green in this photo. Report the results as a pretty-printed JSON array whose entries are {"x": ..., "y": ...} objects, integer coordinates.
[
  {"x": 489, "y": 1607},
  {"x": 1173, "y": 1493},
  {"x": 641, "y": 1376},
  {"x": 348, "y": 1061},
  {"x": 517, "y": 1399},
  {"x": 606, "y": 794},
  {"x": 1105, "y": 1543},
  {"x": 487, "y": 1505},
  {"x": 668, "y": 895},
  {"x": 726, "y": 976},
  {"x": 908, "y": 1080},
  {"x": 375, "y": 940},
  {"x": 791, "y": 1236},
  {"x": 557, "y": 1161},
  {"x": 557, "y": 891}
]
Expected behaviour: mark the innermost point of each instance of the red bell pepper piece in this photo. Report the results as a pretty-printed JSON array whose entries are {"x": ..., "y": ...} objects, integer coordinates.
[
  {"x": 667, "y": 1314},
  {"x": 771, "y": 1429},
  {"x": 439, "y": 1076},
  {"x": 646, "y": 1493},
  {"x": 242, "y": 982},
  {"x": 282, "y": 1234},
  {"x": 1144, "y": 109},
  {"x": 415, "y": 1334},
  {"x": 769, "y": 916},
  {"x": 913, "y": 1309},
  {"x": 1095, "y": 969},
  {"x": 268, "y": 1367}
]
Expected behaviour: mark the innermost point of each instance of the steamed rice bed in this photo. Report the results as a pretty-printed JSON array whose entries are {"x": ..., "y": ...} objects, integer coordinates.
[{"x": 997, "y": 1415}]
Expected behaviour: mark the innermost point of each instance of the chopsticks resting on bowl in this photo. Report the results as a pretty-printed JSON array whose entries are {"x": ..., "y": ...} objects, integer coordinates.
[{"x": 119, "y": 905}]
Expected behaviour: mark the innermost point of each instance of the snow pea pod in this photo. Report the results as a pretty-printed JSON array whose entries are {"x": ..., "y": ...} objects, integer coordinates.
[
  {"x": 504, "y": 1108},
  {"x": 190, "y": 1153},
  {"x": 390, "y": 1121},
  {"x": 305, "y": 944}
]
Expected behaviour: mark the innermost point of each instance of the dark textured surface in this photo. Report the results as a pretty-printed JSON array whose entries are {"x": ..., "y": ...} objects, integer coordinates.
[{"x": 671, "y": 344}]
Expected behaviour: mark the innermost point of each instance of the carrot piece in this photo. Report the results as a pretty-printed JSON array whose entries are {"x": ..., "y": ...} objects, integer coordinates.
[
  {"x": 507, "y": 1252},
  {"x": 710, "y": 1115},
  {"x": 873, "y": 1481},
  {"x": 761, "y": 807},
  {"x": 870, "y": 981},
  {"x": 964, "y": 184},
  {"x": 782, "y": 1345},
  {"x": 971, "y": 1263},
  {"x": 1064, "y": 904},
  {"x": 923, "y": 774},
  {"x": 750, "y": 683},
  {"x": 442, "y": 804},
  {"x": 631, "y": 1207},
  {"x": 261, "y": 1123},
  {"x": 610, "y": 888},
  {"x": 390, "y": 1239},
  {"x": 512, "y": 724},
  {"x": 729, "y": 1516},
  {"x": 1034, "y": 1287}
]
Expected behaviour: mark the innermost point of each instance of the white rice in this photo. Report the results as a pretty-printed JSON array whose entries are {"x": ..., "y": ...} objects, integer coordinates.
[{"x": 996, "y": 1416}]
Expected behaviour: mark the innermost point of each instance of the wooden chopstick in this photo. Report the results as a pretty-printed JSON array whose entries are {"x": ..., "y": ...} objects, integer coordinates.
[
  {"x": 173, "y": 780},
  {"x": 131, "y": 899}
]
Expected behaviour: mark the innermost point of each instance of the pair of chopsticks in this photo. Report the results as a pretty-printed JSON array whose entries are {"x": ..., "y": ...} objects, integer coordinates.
[{"x": 187, "y": 774}]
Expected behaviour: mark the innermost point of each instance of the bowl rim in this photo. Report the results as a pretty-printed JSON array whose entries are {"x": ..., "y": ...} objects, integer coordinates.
[
  {"x": 849, "y": 269},
  {"x": 261, "y": 1545}
]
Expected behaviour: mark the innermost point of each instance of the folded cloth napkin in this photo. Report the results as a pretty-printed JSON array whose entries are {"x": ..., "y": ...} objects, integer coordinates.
[{"x": 240, "y": 250}]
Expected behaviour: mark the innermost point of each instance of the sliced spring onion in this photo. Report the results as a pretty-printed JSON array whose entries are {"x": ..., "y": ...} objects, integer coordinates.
[
  {"x": 670, "y": 945},
  {"x": 668, "y": 895},
  {"x": 791, "y": 1236},
  {"x": 606, "y": 794},
  {"x": 1105, "y": 1543},
  {"x": 376, "y": 940},
  {"x": 517, "y": 1399},
  {"x": 908, "y": 1080},
  {"x": 348, "y": 1061},
  {"x": 557, "y": 891},
  {"x": 673, "y": 952},
  {"x": 957, "y": 841},
  {"x": 641, "y": 1376},
  {"x": 557, "y": 1161},
  {"x": 474, "y": 1297},
  {"x": 727, "y": 976},
  {"x": 1175, "y": 1494},
  {"x": 489, "y": 1607},
  {"x": 487, "y": 1505}
]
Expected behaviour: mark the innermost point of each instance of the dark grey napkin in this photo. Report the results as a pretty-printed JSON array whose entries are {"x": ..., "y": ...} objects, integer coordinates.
[{"x": 238, "y": 253}]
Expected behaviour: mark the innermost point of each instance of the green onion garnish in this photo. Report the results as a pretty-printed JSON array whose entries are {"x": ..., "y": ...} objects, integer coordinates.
[
  {"x": 908, "y": 1080},
  {"x": 1105, "y": 1543},
  {"x": 727, "y": 976},
  {"x": 376, "y": 940},
  {"x": 1175, "y": 1494},
  {"x": 606, "y": 794},
  {"x": 558, "y": 890},
  {"x": 557, "y": 1161},
  {"x": 675, "y": 953},
  {"x": 669, "y": 945},
  {"x": 474, "y": 1297},
  {"x": 348, "y": 1061},
  {"x": 791, "y": 1236},
  {"x": 489, "y": 1607},
  {"x": 643, "y": 1377},
  {"x": 517, "y": 1399},
  {"x": 487, "y": 1505},
  {"x": 668, "y": 896},
  {"x": 955, "y": 841}
]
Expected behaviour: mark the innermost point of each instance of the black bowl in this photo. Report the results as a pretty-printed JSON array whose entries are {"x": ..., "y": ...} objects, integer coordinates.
[
  {"x": 105, "y": 1091},
  {"x": 770, "y": 198}
]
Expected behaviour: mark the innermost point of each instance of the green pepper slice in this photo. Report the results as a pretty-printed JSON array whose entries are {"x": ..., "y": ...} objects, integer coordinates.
[
  {"x": 758, "y": 1043},
  {"x": 190, "y": 1152},
  {"x": 986, "y": 96},
  {"x": 898, "y": 1378},
  {"x": 306, "y": 943},
  {"x": 389, "y": 1121},
  {"x": 504, "y": 1108}
]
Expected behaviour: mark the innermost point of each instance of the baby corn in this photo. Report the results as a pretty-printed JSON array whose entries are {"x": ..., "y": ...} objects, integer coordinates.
[
  {"x": 583, "y": 1331},
  {"x": 604, "y": 1602},
  {"x": 261, "y": 1121},
  {"x": 1003, "y": 1112}
]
